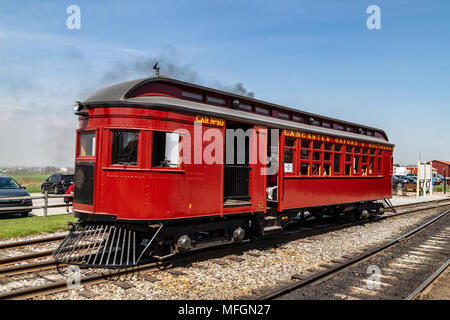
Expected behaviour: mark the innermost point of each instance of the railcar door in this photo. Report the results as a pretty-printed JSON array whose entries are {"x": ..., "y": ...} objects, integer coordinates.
[
  {"x": 272, "y": 168},
  {"x": 237, "y": 163},
  {"x": 85, "y": 170}
]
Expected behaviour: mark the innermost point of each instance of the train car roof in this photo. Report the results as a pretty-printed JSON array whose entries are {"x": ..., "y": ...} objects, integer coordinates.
[{"x": 120, "y": 93}]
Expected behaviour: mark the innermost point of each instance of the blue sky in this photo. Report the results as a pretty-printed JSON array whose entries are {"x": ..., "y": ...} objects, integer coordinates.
[{"x": 317, "y": 56}]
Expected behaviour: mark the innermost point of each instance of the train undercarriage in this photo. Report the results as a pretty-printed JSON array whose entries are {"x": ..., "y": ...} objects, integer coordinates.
[{"x": 115, "y": 244}]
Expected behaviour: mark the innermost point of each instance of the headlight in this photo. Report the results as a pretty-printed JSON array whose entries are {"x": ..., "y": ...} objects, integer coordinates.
[{"x": 77, "y": 106}]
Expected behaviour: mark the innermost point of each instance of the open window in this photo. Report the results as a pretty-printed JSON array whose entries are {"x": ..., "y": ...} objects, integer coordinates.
[
  {"x": 166, "y": 149},
  {"x": 124, "y": 148},
  {"x": 87, "y": 144}
]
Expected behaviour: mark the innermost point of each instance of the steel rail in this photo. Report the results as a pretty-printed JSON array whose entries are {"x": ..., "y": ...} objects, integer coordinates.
[
  {"x": 31, "y": 242},
  {"x": 327, "y": 273},
  {"x": 25, "y": 257},
  {"x": 29, "y": 267},
  {"x": 428, "y": 282}
]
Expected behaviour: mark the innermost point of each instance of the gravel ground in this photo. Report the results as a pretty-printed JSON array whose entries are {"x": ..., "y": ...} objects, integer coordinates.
[{"x": 243, "y": 276}]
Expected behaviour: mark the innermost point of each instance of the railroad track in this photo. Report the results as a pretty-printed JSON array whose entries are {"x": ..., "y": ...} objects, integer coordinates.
[
  {"x": 295, "y": 290},
  {"x": 58, "y": 286},
  {"x": 429, "y": 282}
]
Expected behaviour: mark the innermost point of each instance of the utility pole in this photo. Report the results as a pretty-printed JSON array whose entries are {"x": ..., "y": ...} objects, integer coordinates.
[{"x": 445, "y": 181}]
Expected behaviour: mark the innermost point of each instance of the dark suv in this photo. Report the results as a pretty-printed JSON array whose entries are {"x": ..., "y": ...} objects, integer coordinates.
[{"x": 57, "y": 183}]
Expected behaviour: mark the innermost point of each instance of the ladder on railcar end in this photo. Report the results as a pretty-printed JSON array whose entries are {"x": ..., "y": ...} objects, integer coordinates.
[{"x": 389, "y": 204}]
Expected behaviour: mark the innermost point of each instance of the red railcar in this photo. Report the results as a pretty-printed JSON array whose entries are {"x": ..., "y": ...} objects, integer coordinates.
[{"x": 164, "y": 166}]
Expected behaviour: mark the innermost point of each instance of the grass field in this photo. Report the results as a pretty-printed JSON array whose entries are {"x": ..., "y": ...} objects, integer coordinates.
[
  {"x": 31, "y": 181},
  {"x": 20, "y": 227}
]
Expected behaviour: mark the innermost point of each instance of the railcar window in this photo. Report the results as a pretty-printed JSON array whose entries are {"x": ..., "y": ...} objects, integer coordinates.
[
  {"x": 283, "y": 115},
  {"x": 304, "y": 169},
  {"x": 337, "y": 163},
  {"x": 288, "y": 160},
  {"x": 298, "y": 118},
  {"x": 371, "y": 165},
  {"x": 326, "y": 124},
  {"x": 316, "y": 156},
  {"x": 216, "y": 100},
  {"x": 364, "y": 166},
  {"x": 192, "y": 95},
  {"x": 305, "y": 157},
  {"x": 315, "y": 169},
  {"x": 317, "y": 145},
  {"x": 348, "y": 160},
  {"x": 166, "y": 149},
  {"x": 327, "y": 169},
  {"x": 348, "y": 169},
  {"x": 289, "y": 142},
  {"x": 124, "y": 147},
  {"x": 87, "y": 144},
  {"x": 355, "y": 165},
  {"x": 245, "y": 107},
  {"x": 261, "y": 110},
  {"x": 289, "y": 151}
]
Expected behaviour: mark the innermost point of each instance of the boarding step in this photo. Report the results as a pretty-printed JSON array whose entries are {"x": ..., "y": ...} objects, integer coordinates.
[
  {"x": 272, "y": 229},
  {"x": 269, "y": 218}
]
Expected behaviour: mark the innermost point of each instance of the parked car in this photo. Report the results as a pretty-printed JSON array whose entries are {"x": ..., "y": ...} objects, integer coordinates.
[
  {"x": 437, "y": 178},
  {"x": 414, "y": 179},
  {"x": 57, "y": 183},
  {"x": 10, "y": 188},
  {"x": 436, "y": 181},
  {"x": 398, "y": 182},
  {"x": 409, "y": 179}
]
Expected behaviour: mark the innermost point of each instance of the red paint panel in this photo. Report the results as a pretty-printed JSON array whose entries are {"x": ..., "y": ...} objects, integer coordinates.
[{"x": 308, "y": 192}]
